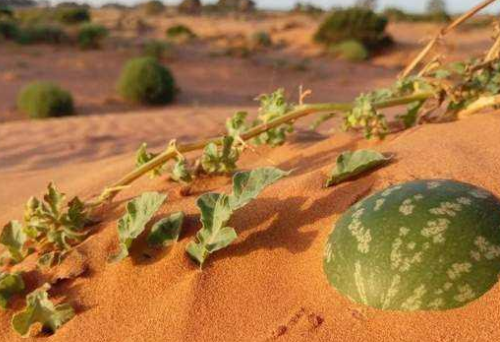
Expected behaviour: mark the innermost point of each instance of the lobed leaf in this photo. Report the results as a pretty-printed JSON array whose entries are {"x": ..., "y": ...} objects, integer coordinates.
[
  {"x": 223, "y": 161},
  {"x": 39, "y": 309},
  {"x": 180, "y": 172},
  {"x": 166, "y": 231},
  {"x": 10, "y": 284},
  {"x": 273, "y": 106},
  {"x": 13, "y": 237},
  {"x": 236, "y": 125},
  {"x": 352, "y": 164},
  {"x": 216, "y": 210},
  {"x": 248, "y": 185},
  {"x": 144, "y": 157},
  {"x": 139, "y": 212}
]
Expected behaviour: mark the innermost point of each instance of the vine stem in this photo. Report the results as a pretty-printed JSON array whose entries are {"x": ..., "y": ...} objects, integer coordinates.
[
  {"x": 298, "y": 112},
  {"x": 444, "y": 31}
]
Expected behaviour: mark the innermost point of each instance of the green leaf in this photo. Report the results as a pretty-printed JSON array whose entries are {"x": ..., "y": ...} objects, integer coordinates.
[
  {"x": 365, "y": 116},
  {"x": 10, "y": 284},
  {"x": 223, "y": 161},
  {"x": 352, "y": 164},
  {"x": 55, "y": 200},
  {"x": 139, "y": 212},
  {"x": 144, "y": 157},
  {"x": 236, "y": 125},
  {"x": 14, "y": 238},
  {"x": 39, "y": 309},
  {"x": 248, "y": 185},
  {"x": 49, "y": 220},
  {"x": 410, "y": 118},
  {"x": 166, "y": 231},
  {"x": 273, "y": 106},
  {"x": 180, "y": 172},
  {"x": 216, "y": 210}
]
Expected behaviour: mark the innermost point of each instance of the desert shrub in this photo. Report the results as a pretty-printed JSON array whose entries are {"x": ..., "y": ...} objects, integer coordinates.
[
  {"x": 114, "y": 5},
  {"x": 307, "y": 8},
  {"x": 8, "y": 29},
  {"x": 72, "y": 4},
  {"x": 90, "y": 36},
  {"x": 261, "y": 39},
  {"x": 236, "y": 5},
  {"x": 41, "y": 33},
  {"x": 180, "y": 32},
  {"x": 72, "y": 15},
  {"x": 144, "y": 80},
  {"x": 157, "y": 49},
  {"x": 190, "y": 6},
  {"x": 43, "y": 100},
  {"x": 358, "y": 24},
  {"x": 153, "y": 7},
  {"x": 351, "y": 50},
  {"x": 31, "y": 16},
  {"x": 6, "y": 12}
]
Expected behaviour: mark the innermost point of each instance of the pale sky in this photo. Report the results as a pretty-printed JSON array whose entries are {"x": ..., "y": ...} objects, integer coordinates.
[{"x": 411, "y": 5}]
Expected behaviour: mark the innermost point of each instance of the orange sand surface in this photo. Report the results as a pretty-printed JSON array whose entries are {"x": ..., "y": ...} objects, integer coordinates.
[{"x": 267, "y": 286}]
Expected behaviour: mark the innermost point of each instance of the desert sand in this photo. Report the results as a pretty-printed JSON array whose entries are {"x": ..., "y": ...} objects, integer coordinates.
[{"x": 269, "y": 285}]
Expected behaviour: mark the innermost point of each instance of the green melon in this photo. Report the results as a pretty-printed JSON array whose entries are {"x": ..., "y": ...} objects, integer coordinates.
[{"x": 423, "y": 245}]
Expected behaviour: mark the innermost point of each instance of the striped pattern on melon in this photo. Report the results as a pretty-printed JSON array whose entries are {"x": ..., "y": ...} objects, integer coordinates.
[{"x": 423, "y": 245}]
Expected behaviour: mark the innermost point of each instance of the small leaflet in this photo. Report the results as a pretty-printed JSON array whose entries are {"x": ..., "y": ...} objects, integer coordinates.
[
  {"x": 10, "y": 284},
  {"x": 166, "y": 231},
  {"x": 352, "y": 164},
  {"x": 139, "y": 212},
  {"x": 39, "y": 309}
]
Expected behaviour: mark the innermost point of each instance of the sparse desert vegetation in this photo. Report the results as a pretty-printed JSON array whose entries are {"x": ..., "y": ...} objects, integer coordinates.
[{"x": 230, "y": 173}]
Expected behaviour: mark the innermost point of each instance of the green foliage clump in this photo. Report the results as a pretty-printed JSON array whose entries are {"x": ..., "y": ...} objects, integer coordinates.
[
  {"x": 180, "y": 32},
  {"x": 358, "y": 24},
  {"x": 422, "y": 245},
  {"x": 153, "y": 7},
  {"x": 41, "y": 310},
  {"x": 90, "y": 36},
  {"x": 261, "y": 39},
  {"x": 42, "y": 100},
  {"x": 157, "y": 49},
  {"x": 146, "y": 81},
  {"x": 6, "y": 12},
  {"x": 72, "y": 15},
  {"x": 41, "y": 33},
  {"x": 8, "y": 29},
  {"x": 351, "y": 50}
]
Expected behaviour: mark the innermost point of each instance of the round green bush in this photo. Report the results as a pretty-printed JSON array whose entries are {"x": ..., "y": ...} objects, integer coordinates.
[
  {"x": 351, "y": 50},
  {"x": 44, "y": 99},
  {"x": 72, "y": 15},
  {"x": 422, "y": 245},
  {"x": 180, "y": 32},
  {"x": 90, "y": 36},
  {"x": 358, "y": 24},
  {"x": 144, "y": 80}
]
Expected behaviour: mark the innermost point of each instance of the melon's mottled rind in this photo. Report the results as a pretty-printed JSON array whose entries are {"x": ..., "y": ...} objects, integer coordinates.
[{"x": 423, "y": 245}]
